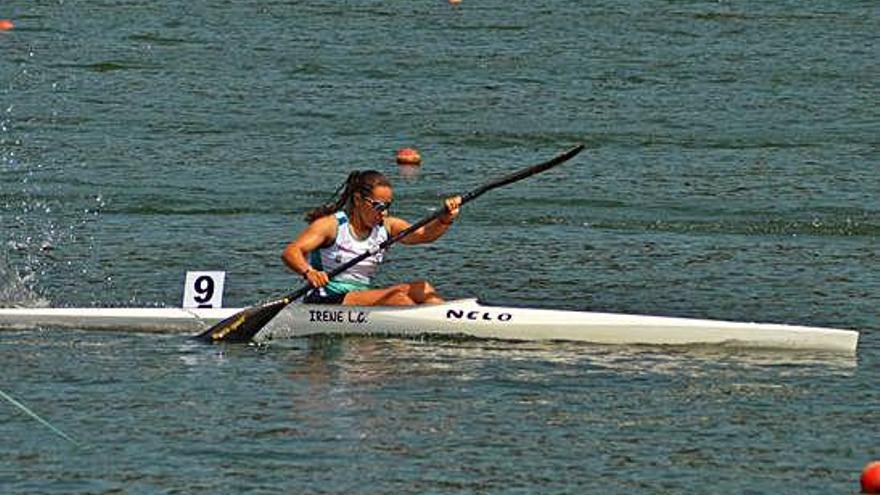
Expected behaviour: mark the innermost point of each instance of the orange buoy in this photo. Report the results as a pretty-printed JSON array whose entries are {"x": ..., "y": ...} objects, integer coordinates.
[
  {"x": 871, "y": 478},
  {"x": 454, "y": 2},
  {"x": 6, "y": 25},
  {"x": 408, "y": 156}
]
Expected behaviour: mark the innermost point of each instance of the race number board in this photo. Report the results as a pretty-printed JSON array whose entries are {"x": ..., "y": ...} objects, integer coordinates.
[{"x": 203, "y": 290}]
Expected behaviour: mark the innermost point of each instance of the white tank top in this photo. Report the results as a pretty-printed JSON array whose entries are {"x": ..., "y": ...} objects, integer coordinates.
[{"x": 346, "y": 247}]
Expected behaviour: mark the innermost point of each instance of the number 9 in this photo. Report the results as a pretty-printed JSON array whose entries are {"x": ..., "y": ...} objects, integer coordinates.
[{"x": 204, "y": 287}]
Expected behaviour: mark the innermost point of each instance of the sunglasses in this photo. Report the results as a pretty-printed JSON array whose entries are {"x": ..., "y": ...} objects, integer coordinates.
[{"x": 377, "y": 205}]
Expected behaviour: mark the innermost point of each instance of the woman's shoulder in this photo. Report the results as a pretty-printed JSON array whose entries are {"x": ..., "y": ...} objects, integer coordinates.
[{"x": 327, "y": 224}]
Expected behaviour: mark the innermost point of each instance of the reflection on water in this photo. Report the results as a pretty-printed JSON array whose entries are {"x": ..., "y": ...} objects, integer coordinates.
[
  {"x": 365, "y": 358},
  {"x": 335, "y": 381}
]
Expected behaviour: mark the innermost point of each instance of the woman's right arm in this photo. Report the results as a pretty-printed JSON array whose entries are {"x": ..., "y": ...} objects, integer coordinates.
[{"x": 319, "y": 233}]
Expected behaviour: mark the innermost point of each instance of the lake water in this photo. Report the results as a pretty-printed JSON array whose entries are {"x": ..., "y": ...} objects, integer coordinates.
[{"x": 731, "y": 173}]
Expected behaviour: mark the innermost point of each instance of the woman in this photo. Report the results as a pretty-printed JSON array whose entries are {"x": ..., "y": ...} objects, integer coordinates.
[{"x": 358, "y": 220}]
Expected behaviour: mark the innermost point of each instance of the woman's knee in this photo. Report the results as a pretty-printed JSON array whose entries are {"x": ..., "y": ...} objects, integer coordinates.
[
  {"x": 421, "y": 286},
  {"x": 400, "y": 294},
  {"x": 421, "y": 291}
]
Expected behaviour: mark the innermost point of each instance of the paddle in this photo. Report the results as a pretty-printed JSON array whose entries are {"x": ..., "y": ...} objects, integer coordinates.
[{"x": 242, "y": 326}]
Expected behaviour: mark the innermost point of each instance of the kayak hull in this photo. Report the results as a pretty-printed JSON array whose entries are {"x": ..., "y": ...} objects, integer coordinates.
[
  {"x": 470, "y": 318},
  {"x": 466, "y": 317}
]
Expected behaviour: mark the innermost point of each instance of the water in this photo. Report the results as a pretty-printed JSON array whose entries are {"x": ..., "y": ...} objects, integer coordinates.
[{"x": 730, "y": 173}]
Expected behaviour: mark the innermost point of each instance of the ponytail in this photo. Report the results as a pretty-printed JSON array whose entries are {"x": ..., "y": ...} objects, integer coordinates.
[{"x": 358, "y": 181}]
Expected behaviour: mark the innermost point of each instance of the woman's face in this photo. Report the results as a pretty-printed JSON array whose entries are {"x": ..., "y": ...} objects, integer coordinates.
[{"x": 373, "y": 207}]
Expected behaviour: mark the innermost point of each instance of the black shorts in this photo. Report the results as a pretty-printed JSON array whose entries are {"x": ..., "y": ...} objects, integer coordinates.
[{"x": 323, "y": 297}]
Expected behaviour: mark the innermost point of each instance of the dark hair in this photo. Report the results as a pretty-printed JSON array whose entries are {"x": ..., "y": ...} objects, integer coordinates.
[{"x": 361, "y": 182}]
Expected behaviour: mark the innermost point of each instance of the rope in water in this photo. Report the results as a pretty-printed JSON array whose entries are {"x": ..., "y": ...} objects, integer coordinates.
[{"x": 37, "y": 417}]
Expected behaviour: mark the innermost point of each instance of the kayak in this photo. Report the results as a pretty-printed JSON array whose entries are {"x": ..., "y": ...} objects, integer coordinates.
[{"x": 458, "y": 318}]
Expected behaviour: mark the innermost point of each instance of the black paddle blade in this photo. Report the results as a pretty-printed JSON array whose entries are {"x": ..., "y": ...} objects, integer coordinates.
[{"x": 242, "y": 326}]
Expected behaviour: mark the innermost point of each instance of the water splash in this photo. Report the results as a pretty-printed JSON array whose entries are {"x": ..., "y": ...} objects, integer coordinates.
[
  {"x": 14, "y": 290},
  {"x": 37, "y": 230}
]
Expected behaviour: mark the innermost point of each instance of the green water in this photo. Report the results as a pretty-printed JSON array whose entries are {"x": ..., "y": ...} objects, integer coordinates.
[{"x": 730, "y": 173}]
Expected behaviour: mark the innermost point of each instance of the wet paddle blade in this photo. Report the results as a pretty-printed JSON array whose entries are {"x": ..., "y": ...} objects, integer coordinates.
[{"x": 244, "y": 325}]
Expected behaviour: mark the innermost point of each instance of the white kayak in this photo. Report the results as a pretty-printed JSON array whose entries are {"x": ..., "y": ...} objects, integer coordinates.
[{"x": 465, "y": 317}]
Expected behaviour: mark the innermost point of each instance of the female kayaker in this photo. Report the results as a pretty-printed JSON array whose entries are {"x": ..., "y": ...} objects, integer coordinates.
[{"x": 355, "y": 221}]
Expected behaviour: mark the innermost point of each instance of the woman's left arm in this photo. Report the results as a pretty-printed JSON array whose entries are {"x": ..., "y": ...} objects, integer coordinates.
[{"x": 433, "y": 229}]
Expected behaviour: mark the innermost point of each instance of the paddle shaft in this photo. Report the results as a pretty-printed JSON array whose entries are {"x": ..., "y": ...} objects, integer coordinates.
[{"x": 469, "y": 196}]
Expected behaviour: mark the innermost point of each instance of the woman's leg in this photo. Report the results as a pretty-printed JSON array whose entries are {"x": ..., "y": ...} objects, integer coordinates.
[
  {"x": 423, "y": 293},
  {"x": 406, "y": 294}
]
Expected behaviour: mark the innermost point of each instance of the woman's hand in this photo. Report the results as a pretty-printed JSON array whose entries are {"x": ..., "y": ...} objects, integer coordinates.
[
  {"x": 453, "y": 208},
  {"x": 316, "y": 278}
]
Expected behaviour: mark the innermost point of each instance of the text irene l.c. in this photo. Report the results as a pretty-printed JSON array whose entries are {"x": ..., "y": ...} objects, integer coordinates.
[{"x": 337, "y": 316}]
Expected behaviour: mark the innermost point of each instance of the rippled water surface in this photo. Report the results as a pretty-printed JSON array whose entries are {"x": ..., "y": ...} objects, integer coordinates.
[{"x": 731, "y": 173}]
